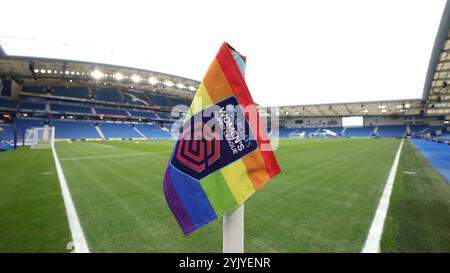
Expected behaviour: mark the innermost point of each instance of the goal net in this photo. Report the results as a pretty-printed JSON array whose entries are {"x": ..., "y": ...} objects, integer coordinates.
[{"x": 40, "y": 138}]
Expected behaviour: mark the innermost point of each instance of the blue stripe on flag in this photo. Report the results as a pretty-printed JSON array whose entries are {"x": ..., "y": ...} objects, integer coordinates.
[{"x": 193, "y": 198}]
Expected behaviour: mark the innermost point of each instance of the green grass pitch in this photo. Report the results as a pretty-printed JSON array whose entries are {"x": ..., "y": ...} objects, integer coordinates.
[{"x": 324, "y": 200}]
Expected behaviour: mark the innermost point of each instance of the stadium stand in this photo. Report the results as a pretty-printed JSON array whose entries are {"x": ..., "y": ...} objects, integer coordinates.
[
  {"x": 109, "y": 111},
  {"x": 286, "y": 132},
  {"x": 72, "y": 109},
  {"x": 143, "y": 114},
  {"x": 36, "y": 89},
  {"x": 392, "y": 131},
  {"x": 108, "y": 94},
  {"x": 136, "y": 98},
  {"x": 25, "y": 106},
  {"x": 159, "y": 100},
  {"x": 79, "y": 92},
  {"x": 6, "y": 133},
  {"x": 67, "y": 129},
  {"x": 434, "y": 129},
  {"x": 416, "y": 130},
  {"x": 8, "y": 104},
  {"x": 152, "y": 131},
  {"x": 164, "y": 116},
  {"x": 359, "y": 131},
  {"x": 118, "y": 130},
  {"x": 23, "y": 124}
]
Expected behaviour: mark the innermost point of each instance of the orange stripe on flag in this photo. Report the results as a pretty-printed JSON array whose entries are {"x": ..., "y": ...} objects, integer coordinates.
[
  {"x": 256, "y": 172},
  {"x": 216, "y": 83}
]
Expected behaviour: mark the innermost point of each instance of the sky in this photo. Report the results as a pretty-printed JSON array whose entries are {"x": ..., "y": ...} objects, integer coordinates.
[{"x": 298, "y": 52}]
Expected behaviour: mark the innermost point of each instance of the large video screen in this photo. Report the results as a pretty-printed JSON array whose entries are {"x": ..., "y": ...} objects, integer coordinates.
[{"x": 352, "y": 121}]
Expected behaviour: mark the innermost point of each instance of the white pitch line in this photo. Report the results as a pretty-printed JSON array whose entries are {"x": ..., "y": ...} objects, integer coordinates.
[
  {"x": 104, "y": 145},
  {"x": 79, "y": 240},
  {"x": 372, "y": 244},
  {"x": 112, "y": 155},
  {"x": 412, "y": 173}
]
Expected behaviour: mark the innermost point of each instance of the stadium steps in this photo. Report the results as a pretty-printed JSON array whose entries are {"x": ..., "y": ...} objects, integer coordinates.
[
  {"x": 122, "y": 95},
  {"x": 408, "y": 129},
  {"x": 375, "y": 130},
  {"x": 343, "y": 131},
  {"x": 139, "y": 132},
  {"x": 99, "y": 131},
  {"x": 318, "y": 130}
]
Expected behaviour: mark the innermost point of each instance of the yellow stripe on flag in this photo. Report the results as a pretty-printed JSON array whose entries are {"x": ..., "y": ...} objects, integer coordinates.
[
  {"x": 200, "y": 101},
  {"x": 238, "y": 181}
]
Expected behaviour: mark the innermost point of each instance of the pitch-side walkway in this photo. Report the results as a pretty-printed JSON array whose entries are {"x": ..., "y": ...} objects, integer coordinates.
[{"x": 437, "y": 154}]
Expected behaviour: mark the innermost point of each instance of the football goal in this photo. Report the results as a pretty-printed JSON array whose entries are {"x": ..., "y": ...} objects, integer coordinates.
[{"x": 40, "y": 138}]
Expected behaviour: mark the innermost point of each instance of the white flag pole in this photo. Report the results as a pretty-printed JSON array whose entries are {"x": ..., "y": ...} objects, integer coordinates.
[
  {"x": 233, "y": 231},
  {"x": 233, "y": 223}
]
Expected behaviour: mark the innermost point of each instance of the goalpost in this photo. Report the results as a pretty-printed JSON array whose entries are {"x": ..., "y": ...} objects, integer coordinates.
[{"x": 40, "y": 138}]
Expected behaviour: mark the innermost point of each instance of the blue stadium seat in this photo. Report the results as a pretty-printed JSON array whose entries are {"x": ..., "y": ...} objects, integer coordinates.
[
  {"x": 392, "y": 131},
  {"x": 36, "y": 89},
  {"x": 359, "y": 131},
  {"x": 417, "y": 129},
  {"x": 6, "y": 132},
  {"x": 8, "y": 104},
  {"x": 159, "y": 100},
  {"x": 79, "y": 92},
  {"x": 69, "y": 109},
  {"x": 26, "y": 106},
  {"x": 136, "y": 98},
  {"x": 143, "y": 114},
  {"x": 152, "y": 131},
  {"x": 71, "y": 129},
  {"x": 108, "y": 111},
  {"x": 118, "y": 130},
  {"x": 23, "y": 124},
  {"x": 164, "y": 116},
  {"x": 287, "y": 131},
  {"x": 108, "y": 94}
]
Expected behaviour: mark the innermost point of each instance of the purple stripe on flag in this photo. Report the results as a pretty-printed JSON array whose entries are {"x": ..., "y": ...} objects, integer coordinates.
[{"x": 175, "y": 205}]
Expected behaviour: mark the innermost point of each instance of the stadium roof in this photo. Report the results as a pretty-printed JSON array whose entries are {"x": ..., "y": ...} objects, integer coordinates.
[
  {"x": 436, "y": 89},
  {"x": 28, "y": 69},
  {"x": 380, "y": 108}
]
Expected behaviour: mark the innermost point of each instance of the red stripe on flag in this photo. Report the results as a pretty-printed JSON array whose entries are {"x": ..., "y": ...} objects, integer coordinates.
[{"x": 240, "y": 90}]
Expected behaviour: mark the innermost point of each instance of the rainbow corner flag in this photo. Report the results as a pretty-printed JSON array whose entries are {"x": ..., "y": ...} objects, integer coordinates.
[{"x": 223, "y": 154}]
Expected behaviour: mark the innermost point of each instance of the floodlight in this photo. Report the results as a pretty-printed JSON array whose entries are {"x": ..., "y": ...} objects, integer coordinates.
[
  {"x": 118, "y": 76},
  {"x": 181, "y": 86},
  {"x": 168, "y": 83},
  {"x": 153, "y": 80},
  {"x": 136, "y": 78},
  {"x": 97, "y": 74}
]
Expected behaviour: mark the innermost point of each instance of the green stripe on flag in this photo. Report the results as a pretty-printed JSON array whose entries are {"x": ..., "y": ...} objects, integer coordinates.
[{"x": 218, "y": 193}]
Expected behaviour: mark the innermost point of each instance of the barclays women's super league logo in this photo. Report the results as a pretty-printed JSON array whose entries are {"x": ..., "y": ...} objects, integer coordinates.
[{"x": 213, "y": 138}]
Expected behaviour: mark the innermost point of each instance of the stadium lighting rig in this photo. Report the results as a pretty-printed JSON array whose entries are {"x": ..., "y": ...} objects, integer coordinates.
[
  {"x": 118, "y": 76},
  {"x": 135, "y": 78},
  {"x": 98, "y": 75},
  {"x": 168, "y": 83},
  {"x": 153, "y": 80}
]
